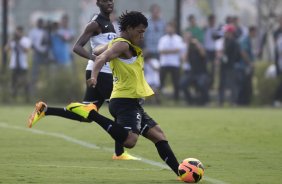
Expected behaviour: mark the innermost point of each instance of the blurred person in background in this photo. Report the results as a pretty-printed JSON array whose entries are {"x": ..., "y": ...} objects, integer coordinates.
[
  {"x": 64, "y": 54},
  {"x": 277, "y": 100},
  {"x": 197, "y": 75},
  {"x": 278, "y": 46},
  {"x": 170, "y": 48},
  {"x": 39, "y": 39},
  {"x": 155, "y": 30},
  {"x": 210, "y": 32},
  {"x": 194, "y": 29},
  {"x": 54, "y": 45},
  {"x": 98, "y": 31},
  {"x": 60, "y": 39},
  {"x": 241, "y": 31},
  {"x": 229, "y": 66},
  {"x": 229, "y": 19},
  {"x": 19, "y": 47},
  {"x": 247, "y": 64}
]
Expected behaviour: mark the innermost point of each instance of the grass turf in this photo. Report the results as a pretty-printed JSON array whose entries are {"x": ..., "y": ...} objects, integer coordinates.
[{"x": 236, "y": 145}]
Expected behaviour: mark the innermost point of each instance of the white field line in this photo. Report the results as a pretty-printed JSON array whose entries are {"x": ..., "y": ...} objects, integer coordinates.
[
  {"x": 94, "y": 146},
  {"x": 78, "y": 167}
]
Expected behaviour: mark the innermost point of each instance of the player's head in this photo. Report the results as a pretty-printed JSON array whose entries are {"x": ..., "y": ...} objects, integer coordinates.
[
  {"x": 133, "y": 25},
  {"x": 106, "y": 6}
]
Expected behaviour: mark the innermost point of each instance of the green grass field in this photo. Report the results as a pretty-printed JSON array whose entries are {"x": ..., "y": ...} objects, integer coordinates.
[{"x": 241, "y": 146}]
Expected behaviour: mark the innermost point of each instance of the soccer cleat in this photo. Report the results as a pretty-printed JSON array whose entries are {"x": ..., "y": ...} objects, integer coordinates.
[
  {"x": 178, "y": 178},
  {"x": 81, "y": 109},
  {"x": 125, "y": 156},
  {"x": 37, "y": 114}
]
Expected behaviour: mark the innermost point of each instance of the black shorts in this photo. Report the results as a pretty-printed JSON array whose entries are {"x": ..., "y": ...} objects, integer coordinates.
[
  {"x": 130, "y": 115},
  {"x": 101, "y": 92}
]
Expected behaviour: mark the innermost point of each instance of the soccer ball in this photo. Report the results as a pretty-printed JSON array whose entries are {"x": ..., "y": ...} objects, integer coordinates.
[{"x": 191, "y": 170}]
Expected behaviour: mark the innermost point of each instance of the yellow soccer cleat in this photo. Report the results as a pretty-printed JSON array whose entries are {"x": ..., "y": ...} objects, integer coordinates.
[
  {"x": 178, "y": 178},
  {"x": 37, "y": 114},
  {"x": 125, "y": 156},
  {"x": 81, "y": 109}
]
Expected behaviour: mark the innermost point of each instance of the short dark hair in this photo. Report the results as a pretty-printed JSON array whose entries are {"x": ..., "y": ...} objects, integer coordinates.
[
  {"x": 252, "y": 28},
  {"x": 190, "y": 17},
  {"x": 211, "y": 17},
  {"x": 132, "y": 19},
  {"x": 20, "y": 28}
]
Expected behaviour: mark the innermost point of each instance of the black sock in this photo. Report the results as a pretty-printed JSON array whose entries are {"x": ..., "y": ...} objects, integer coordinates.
[
  {"x": 167, "y": 155},
  {"x": 118, "y": 149},
  {"x": 62, "y": 112},
  {"x": 117, "y": 132}
]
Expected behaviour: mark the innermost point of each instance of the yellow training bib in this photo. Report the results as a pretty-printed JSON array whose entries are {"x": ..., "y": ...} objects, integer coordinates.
[{"x": 128, "y": 75}]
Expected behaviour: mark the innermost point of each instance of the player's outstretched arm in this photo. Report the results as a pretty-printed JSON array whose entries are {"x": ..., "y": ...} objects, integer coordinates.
[
  {"x": 100, "y": 49},
  {"x": 118, "y": 49},
  {"x": 92, "y": 28}
]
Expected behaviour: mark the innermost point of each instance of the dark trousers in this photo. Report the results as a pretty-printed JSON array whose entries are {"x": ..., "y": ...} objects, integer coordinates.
[
  {"x": 201, "y": 84},
  {"x": 20, "y": 80},
  {"x": 246, "y": 89},
  {"x": 211, "y": 65},
  {"x": 174, "y": 72},
  {"x": 230, "y": 78},
  {"x": 278, "y": 92}
]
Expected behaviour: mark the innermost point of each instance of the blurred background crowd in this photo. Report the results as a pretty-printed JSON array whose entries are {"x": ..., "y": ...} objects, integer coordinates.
[{"x": 197, "y": 53}]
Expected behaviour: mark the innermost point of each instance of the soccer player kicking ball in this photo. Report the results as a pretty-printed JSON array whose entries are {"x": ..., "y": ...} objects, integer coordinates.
[
  {"x": 126, "y": 62},
  {"x": 99, "y": 30}
]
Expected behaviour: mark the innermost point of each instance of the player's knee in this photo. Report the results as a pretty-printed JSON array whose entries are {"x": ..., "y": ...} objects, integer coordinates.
[
  {"x": 129, "y": 145},
  {"x": 131, "y": 141}
]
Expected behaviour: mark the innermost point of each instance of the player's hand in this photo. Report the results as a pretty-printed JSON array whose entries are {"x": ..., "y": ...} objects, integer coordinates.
[{"x": 92, "y": 82}]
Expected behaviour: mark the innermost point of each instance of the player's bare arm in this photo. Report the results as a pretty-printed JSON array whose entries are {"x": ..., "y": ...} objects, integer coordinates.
[
  {"x": 100, "y": 49},
  {"x": 118, "y": 49},
  {"x": 92, "y": 28}
]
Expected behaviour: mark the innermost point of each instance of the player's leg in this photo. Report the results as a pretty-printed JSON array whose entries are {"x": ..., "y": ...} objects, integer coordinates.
[
  {"x": 41, "y": 109},
  {"x": 152, "y": 131},
  {"x": 123, "y": 136},
  {"x": 121, "y": 110},
  {"x": 156, "y": 135},
  {"x": 126, "y": 118},
  {"x": 92, "y": 95},
  {"x": 104, "y": 89}
]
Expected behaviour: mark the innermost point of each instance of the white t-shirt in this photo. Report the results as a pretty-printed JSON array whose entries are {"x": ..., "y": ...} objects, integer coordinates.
[
  {"x": 219, "y": 44},
  {"x": 171, "y": 42},
  {"x": 151, "y": 70},
  {"x": 36, "y": 36},
  {"x": 24, "y": 43},
  {"x": 209, "y": 42}
]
